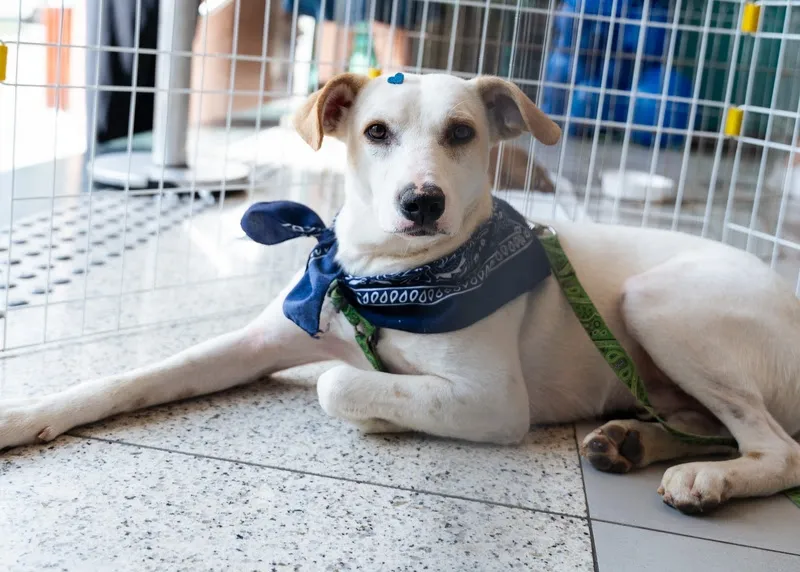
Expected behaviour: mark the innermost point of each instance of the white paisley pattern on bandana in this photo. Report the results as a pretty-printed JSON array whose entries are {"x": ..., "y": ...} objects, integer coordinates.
[
  {"x": 304, "y": 230},
  {"x": 493, "y": 244}
]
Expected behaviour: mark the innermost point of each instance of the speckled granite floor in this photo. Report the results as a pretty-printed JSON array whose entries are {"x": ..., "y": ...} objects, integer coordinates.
[{"x": 259, "y": 478}]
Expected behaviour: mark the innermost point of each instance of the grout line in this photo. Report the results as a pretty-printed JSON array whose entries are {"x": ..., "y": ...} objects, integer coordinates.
[
  {"x": 585, "y": 498},
  {"x": 331, "y": 477},
  {"x": 703, "y": 538}
]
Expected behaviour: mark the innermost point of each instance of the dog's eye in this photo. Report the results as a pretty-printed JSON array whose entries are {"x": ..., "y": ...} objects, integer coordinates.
[
  {"x": 461, "y": 133},
  {"x": 377, "y": 132}
]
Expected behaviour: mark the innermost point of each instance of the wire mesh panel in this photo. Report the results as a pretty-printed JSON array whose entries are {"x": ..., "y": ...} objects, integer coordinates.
[{"x": 133, "y": 133}]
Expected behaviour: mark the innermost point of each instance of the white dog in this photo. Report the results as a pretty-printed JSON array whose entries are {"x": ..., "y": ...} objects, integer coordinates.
[{"x": 712, "y": 330}]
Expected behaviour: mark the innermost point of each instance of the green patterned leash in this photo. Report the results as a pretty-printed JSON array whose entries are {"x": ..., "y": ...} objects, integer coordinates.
[
  {"x": 366, "y": 335},
  {"x": 601, "y": 336},
  {"x": 608, "y": 346}
]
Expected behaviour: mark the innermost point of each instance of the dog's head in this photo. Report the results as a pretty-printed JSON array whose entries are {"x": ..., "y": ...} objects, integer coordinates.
[{"x": 418, "y": 152}]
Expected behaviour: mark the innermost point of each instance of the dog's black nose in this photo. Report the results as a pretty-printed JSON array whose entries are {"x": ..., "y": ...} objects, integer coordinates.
[{"x": 422, "y": 206}]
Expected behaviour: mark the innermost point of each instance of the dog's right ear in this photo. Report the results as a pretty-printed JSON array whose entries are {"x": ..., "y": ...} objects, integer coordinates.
[
  {"x": 325, "y": 111},
  {"x": 510, "y": 112}
]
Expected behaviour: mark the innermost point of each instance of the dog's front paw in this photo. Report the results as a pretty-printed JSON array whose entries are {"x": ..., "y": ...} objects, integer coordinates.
[
  {"x": 330, "y": 391},
  {"x": 613, "y": 448},
  {"x": 377, "y": 426},
  {"x": 22, "y": 422},
  {"x": 695, "y": 488},
  {"x": 340, "y": 397}
]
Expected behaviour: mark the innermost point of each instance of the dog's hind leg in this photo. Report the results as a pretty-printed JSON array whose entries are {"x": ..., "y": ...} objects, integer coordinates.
[
  {"x": 622, "y": 445},
  {"x": 270, "y": 343},
  {"x": 729, "y": 342}
]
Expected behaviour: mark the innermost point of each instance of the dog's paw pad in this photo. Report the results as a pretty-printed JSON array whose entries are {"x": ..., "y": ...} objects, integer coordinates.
[
  {"x": 613, "y": 448},
  {"x": 701, "y": 506}
]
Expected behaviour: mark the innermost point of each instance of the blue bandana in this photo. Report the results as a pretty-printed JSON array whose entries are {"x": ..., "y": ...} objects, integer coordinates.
[{"x": 501, "y": 261}]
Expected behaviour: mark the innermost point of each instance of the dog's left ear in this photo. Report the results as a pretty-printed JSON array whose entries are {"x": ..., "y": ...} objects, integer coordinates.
[
  {"x": 511, "y": 112},
  {"x": 325, "y": 111}
]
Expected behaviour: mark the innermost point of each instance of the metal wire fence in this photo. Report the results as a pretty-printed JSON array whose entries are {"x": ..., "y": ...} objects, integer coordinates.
[{"x": 133, "y": 132}]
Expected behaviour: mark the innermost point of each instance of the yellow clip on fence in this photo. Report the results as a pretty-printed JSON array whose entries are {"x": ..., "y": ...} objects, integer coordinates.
[
  {"x": 733, "y": 122},
  {"x": 3, "y": 60},
  {"x": 750, "y": 17}
]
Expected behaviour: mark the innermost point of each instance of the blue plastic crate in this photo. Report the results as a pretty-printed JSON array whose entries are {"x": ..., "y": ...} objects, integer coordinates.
[{"x": 584, "y": 56}]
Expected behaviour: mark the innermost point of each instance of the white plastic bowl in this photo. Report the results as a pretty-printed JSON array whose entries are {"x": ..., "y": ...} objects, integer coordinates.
[{"x": 637, "y": 186}]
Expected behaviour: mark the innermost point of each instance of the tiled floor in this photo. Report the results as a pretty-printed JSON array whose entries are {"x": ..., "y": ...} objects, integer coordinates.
[{"x": 259, "y": 478}]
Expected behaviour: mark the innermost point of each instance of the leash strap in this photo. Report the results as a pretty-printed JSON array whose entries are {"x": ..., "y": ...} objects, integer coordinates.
[
  {"x": 616, "y": 357},
  {"x": 602, "y": 338},
  {"x": 366, "y": 333},
  {"x": 613, "y": 352}
]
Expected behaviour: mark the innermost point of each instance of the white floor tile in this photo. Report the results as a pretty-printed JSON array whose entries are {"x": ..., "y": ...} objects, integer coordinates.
[
  {"x": 631, "y": 499},
  {"x": 626, "y": 549}
]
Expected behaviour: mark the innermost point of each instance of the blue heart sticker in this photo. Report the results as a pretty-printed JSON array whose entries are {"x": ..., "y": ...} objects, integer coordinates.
[{"x": 396, "y": 79}]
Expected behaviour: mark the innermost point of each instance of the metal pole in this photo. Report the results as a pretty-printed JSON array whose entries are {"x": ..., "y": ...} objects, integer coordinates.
[{"x": 177, "y": 22}]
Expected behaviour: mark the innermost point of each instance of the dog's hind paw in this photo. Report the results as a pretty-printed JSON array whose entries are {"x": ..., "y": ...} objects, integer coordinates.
[
  {"x": 613, "y": 448},
  {"x": 695, "y": 488}
]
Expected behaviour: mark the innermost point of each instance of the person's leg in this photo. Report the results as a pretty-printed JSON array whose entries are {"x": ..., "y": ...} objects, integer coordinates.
[{"x": 113, "y": 24}]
